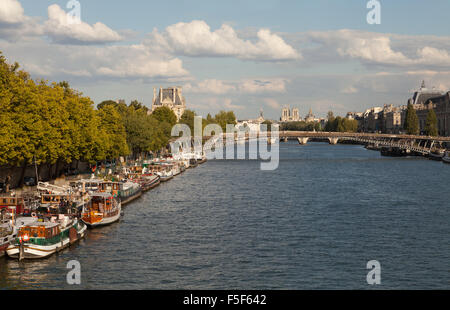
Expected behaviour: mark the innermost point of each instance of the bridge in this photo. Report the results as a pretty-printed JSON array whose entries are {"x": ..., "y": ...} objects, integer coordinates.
[{"x": 414, "y": 143}]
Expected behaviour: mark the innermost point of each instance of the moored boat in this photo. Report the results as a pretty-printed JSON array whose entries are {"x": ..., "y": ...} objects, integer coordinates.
[
  {"x": 446, "y": 158},
  {"x": 43, "y": 238},
  {"x": 102, "y": 209},
  {"x": 126, "y": 191},
  {"x": 436, "y": 154}
]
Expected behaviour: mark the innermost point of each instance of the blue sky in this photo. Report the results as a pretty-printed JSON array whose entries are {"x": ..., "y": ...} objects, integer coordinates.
[{"x": 239, "y": 55}]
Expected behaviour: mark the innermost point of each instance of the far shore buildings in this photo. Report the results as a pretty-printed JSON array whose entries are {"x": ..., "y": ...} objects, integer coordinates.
[
  {"x": 391, "y": 119},
  {"x": 254, "y": 125},
  {"x": 172, "y": 98},
  {"x": 287, "y": 116},
  {"x": 294, "y": 116}
]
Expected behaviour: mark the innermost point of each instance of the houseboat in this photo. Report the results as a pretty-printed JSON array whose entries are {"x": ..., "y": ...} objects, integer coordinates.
[
  {"x": 102, "y": 209},
  {"x": 164, "y": 171},
  {"x": 44, "y": 237},
  {"x": 126, "y": 191}
]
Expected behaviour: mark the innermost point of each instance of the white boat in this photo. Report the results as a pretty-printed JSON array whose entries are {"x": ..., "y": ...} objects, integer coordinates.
[{"x": 43, "y": 238}]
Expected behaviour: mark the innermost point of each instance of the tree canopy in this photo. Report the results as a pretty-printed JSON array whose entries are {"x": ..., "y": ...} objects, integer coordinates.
[
  {"x": 431, "y": 124},
  {"x": 411, "y": 121}
]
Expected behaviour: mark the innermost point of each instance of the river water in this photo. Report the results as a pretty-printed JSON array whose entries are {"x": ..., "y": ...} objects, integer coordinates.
[{"x": 313, "y": 223}]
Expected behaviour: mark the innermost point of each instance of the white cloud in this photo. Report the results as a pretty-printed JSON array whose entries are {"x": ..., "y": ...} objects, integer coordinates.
[
  {"x": 377, "y": 48},
  {"x": 98, "y": 62},
  {"x": 272, "y": 103},
  {"x": 263, "y": 86},
  {"x": 197, "y": 39},
  {"x": 246, "y": 86},
  {"x": 210, "y": 86},
  {"x": 349, "y": 90},
  {"x": 60, "y": 30},
  {"x": 11, "y": 12},
  {"x": 14, "y": 25},
  {"x": 229, "y": 105}
]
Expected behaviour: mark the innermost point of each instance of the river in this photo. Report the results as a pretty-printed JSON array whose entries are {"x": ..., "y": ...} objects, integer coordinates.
[{"x": 313, "y": 223}]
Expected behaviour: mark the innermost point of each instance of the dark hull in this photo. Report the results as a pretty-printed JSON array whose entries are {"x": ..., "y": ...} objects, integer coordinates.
[
  {"x": 131, "y": 198},
  {"x": 437, "y": 157},
  {"x": 393, "y": 152}
]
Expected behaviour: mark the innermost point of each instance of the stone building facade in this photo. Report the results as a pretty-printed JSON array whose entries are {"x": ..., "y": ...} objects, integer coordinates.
[
  {"x": 287, "y": 116},
  {"x": 172, "y": 98},
  {"x": 391, "y": 119}
]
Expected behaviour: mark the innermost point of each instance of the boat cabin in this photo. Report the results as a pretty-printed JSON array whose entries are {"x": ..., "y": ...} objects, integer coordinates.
[
  {"x": 39, "y": 229},
  {"x": 10, "y": 203}
]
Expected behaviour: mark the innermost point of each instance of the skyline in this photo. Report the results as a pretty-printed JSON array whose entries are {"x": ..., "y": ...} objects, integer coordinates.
[{"x": 310, "y": 55}]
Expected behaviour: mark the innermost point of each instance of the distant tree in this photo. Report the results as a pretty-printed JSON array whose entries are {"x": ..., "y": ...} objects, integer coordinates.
[
  {"x": 138, "y": 106},
  {"x": 431, "y": 124},
  {"x": 165, "y": 114},
  {"x": 223, "y": 118},
  {"x": 411, "y": 121},
  {"x": 188, "y": 118}
]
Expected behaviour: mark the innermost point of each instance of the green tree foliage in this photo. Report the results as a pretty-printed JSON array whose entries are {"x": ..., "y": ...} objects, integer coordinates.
[
  {"x": 300, "y": 126},
  {"x": 340, "y": 124},
  {"x": 431, "y": 124},
  {"x": 411, "y": 121},
  {"x": 188, "y": 118},
  {"x": 165, "y": 115},
  {"x": 223, "y": 118},
  {"x": 52, "y": 123}
]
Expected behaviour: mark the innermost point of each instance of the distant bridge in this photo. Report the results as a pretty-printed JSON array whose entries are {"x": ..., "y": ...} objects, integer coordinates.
[
  {"x": 419, "y": 144},
  {"x": 414, "y": 143}
]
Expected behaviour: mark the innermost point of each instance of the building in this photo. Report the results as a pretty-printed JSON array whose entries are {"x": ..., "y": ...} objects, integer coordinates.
[
  {"x": 310, "y": 118},
  {"x": 169, "y": 97},
  {"x": 424, "y": 100},
  {"x": 391, "y": 119},
  {"x": 254, "y": 125},
  {"x": 287, "y": 116}
]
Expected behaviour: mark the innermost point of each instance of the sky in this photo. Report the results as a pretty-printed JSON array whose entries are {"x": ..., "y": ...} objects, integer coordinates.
[{"x": 244, "y": 56}]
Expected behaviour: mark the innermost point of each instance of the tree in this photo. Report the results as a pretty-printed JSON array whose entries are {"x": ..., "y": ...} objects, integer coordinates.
[
  {"x": 165, "y": 114},
  {"x": 116, "y": 139},
  {"x": 411, "y": 121},
  {"x": 431, "y": 124},
  {"x": 188, "y": 118},
  {"x": 223, "y": 118}
]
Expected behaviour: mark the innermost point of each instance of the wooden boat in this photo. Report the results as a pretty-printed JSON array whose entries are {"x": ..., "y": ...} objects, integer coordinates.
[
  {"x": 102, "y": 209},
  {"x": 43, "y": 238},
  {"x": 9, "y": 227},
  {"x": 9, "y": 203}
]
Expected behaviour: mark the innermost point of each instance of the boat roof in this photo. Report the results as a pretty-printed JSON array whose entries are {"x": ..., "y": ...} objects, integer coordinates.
[
  {"x": 101, "y": 194},
  {"x": 42, "y": 224}
]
